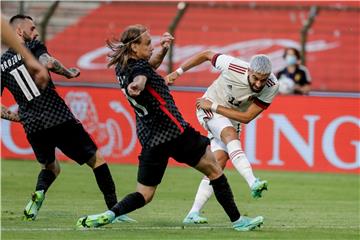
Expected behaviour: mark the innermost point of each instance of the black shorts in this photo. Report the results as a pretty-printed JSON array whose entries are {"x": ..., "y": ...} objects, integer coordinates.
[
  {"x": 188, "y": 148},
  {"x": 70, "y": 137}
]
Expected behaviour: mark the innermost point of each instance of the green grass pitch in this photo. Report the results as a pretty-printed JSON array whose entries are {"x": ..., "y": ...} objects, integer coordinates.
[{"x": 297, "y": 205}]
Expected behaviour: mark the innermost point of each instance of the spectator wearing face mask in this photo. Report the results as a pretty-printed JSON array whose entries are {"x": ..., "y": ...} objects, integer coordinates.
[{"x": 294, "y": 78}]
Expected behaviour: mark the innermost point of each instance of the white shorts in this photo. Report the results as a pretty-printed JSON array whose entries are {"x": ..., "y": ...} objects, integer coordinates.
[
  {"x": 214, "y": 123},
  {"x": 217, "y": 145}
]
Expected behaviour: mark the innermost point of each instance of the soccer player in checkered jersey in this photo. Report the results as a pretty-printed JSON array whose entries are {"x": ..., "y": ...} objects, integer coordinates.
[
  {"x": 240, "y": 93},
  {"x": 38, "y": 71},
  {"x": 162, "y": 131},
  {"x": 47, "y": 120}
]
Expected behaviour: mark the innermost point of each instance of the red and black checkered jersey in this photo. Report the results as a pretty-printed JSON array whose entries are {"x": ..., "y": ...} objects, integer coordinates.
[
  {"x": 158, "y": 120},
  {"x": 38, "y": 109}
]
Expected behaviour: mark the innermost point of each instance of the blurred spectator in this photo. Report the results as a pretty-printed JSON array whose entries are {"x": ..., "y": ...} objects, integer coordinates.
[{"x": 294, "y": 78}]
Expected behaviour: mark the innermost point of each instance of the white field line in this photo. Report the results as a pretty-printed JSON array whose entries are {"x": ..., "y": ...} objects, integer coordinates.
[{"x": 279, "y": 228}]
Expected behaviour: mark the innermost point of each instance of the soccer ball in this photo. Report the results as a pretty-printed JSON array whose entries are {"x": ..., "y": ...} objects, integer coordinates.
[{"x": 287, "y": 85}]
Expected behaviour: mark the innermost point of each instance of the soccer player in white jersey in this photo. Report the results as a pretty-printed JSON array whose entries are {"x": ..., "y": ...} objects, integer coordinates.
[{"x": 240, "y": 93}]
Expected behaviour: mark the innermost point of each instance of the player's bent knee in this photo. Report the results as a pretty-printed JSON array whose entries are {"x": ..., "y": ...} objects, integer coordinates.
[
  {"x": 228, "y": 134},
  {"x": 96, "y": 161},
  {"x": 54, "y": 167},
  {"x": 148, "y": 199},
  {"x": 222, "y": 163},
  {"x": 215, "y": 169},
  {"x": 222, "y": 158},
  {"x": 210, "y": 168},
  {"x": 56, "y": 171},
  {"x": 148, "y": 192},
  {"x": 147, "y": 196},
  {"x": 215, "y": 172}
]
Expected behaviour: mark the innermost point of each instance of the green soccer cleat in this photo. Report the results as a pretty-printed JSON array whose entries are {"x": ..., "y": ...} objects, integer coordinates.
[
  {"x": 194, "y": 218},
  {"x": 123, "y": 219},
  {"x": 96, "y": 220},
  {"x": 32, "y": 208},
  {"x": 247, "y": 224},
  {"x": 257, "y": 188}
]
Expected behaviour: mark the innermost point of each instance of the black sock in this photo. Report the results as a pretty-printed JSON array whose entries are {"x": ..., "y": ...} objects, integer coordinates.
[
  {"x": 106, "y": 184},
  {"x": 225, "y": 197},
  {"x": 129, "y": 203},
  {"x": 45, "y": 179}
]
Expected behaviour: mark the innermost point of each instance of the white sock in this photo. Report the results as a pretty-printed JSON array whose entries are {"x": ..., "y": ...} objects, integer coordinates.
[
  {"x": 203, "y": 194},
  {"x": 240, "y": 161}
]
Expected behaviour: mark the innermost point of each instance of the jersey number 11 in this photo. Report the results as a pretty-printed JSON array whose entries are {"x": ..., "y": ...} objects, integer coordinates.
[{"x": 28, "y": 80}]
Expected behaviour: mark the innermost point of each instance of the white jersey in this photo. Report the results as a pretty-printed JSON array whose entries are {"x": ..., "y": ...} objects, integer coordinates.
[{"x": 232, "y": 89}]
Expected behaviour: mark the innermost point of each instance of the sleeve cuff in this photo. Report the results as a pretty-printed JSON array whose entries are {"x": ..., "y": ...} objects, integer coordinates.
[
  {"x": 213, "y": 60},
  {"x": 263, "y": 105}
]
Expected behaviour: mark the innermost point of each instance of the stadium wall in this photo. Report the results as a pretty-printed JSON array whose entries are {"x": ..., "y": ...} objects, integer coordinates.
[
  {"x": 332, "y": 48},
  {"x": 296, "y": 133}
]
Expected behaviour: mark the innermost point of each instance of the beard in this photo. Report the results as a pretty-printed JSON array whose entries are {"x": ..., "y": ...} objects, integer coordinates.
[
  {"x": 252, "y": 88},
  {"x": 27, "y": 38},
  {"x": 256, "y": 90}
]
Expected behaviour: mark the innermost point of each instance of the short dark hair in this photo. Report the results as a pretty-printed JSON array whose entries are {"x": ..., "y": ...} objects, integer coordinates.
[
  {"x": 297, "y": 53},
  {"x": 19, "y": 16}
]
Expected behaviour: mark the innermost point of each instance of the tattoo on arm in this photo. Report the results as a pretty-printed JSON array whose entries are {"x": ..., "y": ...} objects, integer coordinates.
[
  {"x": 54, "y": 65},
  {"x": 9, "y": 115}
]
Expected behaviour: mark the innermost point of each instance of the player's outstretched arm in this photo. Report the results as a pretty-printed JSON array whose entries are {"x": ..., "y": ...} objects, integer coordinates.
[
  {"x": 197, "y": 60},
  {"x": 156, "y": 60},
  {"x": 244, "y": 117},
  {"x": 190, "y": 63},
  {"x": 9, "y": 115},
  {"x": 57, "y": 67},
  {"x": 9, "y": 38}
]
